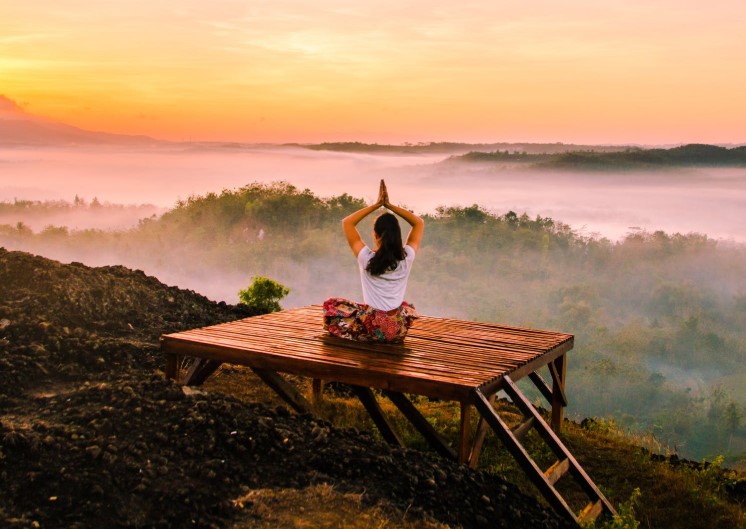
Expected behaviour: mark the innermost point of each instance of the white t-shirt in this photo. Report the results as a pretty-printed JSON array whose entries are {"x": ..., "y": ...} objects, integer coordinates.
[{"x": 384, "y": 292}]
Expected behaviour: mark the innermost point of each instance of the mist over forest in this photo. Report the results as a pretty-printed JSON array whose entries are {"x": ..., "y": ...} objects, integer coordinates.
[
  {"x": 591, "y": 199},
  {"x": 659, "y": 318}
]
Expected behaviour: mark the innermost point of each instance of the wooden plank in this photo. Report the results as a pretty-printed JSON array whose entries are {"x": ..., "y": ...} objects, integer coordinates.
[
  {"x": 284, "y": 389},
  {"x": 436, "y": 441},
  {"x": 455, "y": 354},
  {"x": 289, "y": 348},
  {"x": 330, "y": 369},
  {"x": 523, "y": 428},
  {"x": 557, "y": 470},
  {"x": 369, "y": 362},
  {"x": 591, "y": 511},
  {"x": 298, "y": 348},
  {"x": 374, "y": 410},
  {"x": 454, "y": 334}
]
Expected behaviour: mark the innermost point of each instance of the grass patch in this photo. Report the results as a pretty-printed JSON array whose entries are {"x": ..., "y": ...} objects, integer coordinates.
[{"x": 319, "y": 507}]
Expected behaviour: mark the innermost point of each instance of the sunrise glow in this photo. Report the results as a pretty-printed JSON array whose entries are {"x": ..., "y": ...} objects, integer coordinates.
[{"x": 579, "y": 71}]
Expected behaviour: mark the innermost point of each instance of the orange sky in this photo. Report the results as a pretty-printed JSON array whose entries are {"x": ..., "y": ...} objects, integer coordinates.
[{"x": 386, "y": 71}]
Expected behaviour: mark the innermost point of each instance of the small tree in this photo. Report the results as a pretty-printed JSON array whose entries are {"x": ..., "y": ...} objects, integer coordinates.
[{"x": 264, "y": 294}]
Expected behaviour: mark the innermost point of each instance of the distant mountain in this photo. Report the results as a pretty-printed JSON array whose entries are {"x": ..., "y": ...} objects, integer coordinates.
[
  {"x": 701, "y": 155},
  {"x": 456, "y": 148},
  {"x": 17, "y": 127}
]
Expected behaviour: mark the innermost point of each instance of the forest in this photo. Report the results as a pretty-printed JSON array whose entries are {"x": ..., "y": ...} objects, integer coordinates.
[
  {"x": 692, "y": 155},
  {"x": 659, "y": 318},
  {"x": 470, "y": 151}
]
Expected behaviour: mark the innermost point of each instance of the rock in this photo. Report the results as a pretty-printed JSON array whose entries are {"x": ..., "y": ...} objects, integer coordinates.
[{"x": 93, "y": 451}]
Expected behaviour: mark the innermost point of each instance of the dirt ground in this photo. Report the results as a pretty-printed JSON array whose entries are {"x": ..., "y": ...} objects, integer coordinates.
[{"x": 92, "y": 436}]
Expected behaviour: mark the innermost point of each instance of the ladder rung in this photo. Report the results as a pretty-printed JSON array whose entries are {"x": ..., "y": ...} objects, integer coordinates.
[
  {"x": 522, "y": 429},
  {"x": 591, "y": 511},
  {"x": 556, "y": 471}
]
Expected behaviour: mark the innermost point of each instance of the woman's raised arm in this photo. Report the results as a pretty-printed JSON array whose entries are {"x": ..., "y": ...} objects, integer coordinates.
[
  {"x": 418, "y": 225},
  {"x": 350, "y": 222}
]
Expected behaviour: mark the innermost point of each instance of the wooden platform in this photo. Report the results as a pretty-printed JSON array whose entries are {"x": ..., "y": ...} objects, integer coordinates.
[
  {"x": 438, "y": 358},
  {"x": 457, "y": 360}
]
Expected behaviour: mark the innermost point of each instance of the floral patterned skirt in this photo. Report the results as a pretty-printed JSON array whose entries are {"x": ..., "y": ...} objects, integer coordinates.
[{"x": 361, "y": 322}]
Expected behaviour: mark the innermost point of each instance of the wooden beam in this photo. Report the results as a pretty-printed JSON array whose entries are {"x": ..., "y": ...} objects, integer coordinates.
[
  {"x": 479, "y": 436},
  {"x": 374, "y": 410},
  {"x": 436, "y": 441},
  {"x": 558, "y": 368},
  {"x": 200, "y": 370},
  {"x": 172, "y": 366},
  {"x": 542, "y": 386},
  {"x": 318, "y": 390},
  {"x": 463, "y": 441},
  {"x": 284, "y": 389}
]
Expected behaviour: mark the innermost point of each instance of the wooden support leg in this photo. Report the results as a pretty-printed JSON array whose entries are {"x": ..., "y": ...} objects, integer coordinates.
[
  {"x": 558, "y": 368},
  {"x": 408, "y": 409},
  {"x": 374, "y": 410},
  {"x": 284, "y": 389},
  {"x": 200, "y": 370},
  {"x": 463, "y": 441},
  {"x": 172, "y": 366},
  {"x": 318, "y": 390},
  {"x": 479, "y": 436}
]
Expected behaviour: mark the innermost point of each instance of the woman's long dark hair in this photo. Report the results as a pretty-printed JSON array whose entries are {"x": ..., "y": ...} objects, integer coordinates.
[{"x": 390, "y": 251}]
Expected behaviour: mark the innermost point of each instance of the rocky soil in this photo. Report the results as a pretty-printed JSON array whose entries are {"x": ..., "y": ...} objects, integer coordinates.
[{"x": 92, "y": 436}]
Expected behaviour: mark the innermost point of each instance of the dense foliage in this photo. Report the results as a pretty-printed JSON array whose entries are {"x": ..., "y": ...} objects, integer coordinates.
[
  {"x": 697, "y": 155},
  {"x": 264, "y": 294},
  {"x": 659, "y": 318}
]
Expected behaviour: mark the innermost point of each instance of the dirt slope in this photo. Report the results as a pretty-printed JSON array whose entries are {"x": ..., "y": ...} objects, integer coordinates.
[{"x": 92, "y": 436}]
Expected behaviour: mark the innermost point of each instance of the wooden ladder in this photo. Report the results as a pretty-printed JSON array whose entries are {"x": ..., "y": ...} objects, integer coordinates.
[{"x": 544, "y": 480}]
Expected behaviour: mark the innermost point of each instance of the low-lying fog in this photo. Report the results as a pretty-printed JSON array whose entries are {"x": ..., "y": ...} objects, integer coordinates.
[{"x": 710, "y": 201}]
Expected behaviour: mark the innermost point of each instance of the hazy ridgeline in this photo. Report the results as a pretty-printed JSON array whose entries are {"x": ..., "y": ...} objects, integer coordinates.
[{"x": 659, "y": 319}]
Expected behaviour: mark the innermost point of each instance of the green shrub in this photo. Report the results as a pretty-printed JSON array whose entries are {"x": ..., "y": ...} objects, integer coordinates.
[{"x": 264, "y": 294}]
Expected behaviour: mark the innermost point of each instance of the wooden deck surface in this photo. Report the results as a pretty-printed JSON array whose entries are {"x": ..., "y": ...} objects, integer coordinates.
[{"x": 440, "y": 357}]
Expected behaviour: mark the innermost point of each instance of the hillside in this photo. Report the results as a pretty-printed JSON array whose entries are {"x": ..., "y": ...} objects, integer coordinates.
[
  {"x": 92, "y": 436},
  {"x": 20, "y": 128}
]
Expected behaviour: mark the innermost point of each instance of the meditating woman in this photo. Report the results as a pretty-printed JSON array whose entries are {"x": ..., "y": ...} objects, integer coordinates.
[{"x": 384, "y": 316}]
